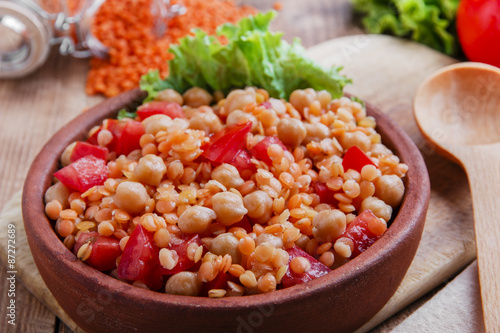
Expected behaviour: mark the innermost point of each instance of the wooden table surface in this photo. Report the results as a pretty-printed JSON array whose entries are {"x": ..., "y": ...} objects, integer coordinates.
[{"x": 25, "y": 125}]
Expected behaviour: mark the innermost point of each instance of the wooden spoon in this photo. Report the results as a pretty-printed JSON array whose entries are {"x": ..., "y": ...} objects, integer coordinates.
[{"x": 458, "y": 111}]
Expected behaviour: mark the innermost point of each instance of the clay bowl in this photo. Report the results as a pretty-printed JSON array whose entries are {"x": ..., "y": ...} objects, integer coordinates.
[{"x": 341, "y": 301}]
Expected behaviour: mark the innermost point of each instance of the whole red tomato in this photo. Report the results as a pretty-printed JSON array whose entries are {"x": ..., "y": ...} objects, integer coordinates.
[{"x": 478, "y": 27}]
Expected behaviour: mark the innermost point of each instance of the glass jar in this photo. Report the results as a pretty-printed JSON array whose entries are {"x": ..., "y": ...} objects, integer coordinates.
[{"x": 30, "y": 28}]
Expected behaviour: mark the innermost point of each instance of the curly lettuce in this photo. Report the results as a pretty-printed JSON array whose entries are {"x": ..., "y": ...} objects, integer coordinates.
[
  {"x": 252, "y": 56},
  {"x": 430, "y": 22}
]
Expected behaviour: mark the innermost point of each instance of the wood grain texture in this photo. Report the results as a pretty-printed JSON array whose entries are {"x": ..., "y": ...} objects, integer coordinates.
[
  {"x": 32, "y": 109},
  {"x": 457, "y": 110},
  {"x": 483, "y": 169},
  {"x": 31, "y": 314},
  {"x": 311, "y": 21},
  {"x": 28, "y": 274}
]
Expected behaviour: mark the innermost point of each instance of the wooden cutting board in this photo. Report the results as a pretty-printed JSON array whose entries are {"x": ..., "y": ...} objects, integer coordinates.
[{"x": 386, "y": 72}]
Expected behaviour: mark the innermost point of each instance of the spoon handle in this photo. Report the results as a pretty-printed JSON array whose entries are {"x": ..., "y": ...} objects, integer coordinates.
[{"x": 483, "y": 170}]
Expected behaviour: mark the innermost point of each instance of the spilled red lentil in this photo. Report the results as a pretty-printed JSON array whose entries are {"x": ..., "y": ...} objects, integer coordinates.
[
  {"x": 126, "y": 28},
  {"x": 211, "y": 195}
]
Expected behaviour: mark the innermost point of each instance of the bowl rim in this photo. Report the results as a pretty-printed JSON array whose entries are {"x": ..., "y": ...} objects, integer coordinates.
[{"x": 39, "y": 227}]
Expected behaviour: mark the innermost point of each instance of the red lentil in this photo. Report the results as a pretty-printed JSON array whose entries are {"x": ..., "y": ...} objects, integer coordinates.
[{"x": 125, "y": 27}]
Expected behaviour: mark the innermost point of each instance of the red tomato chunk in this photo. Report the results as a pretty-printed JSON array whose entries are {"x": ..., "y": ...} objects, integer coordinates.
[
  {"x": 126, "y": 135},
  {"x": 242, "y": 161},
  {"x": 83, "y": 149},
  {"x": 325, "y": 194},
  {"x": 173, "y": 110},
  {"x": 139, "y": 260},
  {"x": 355, "y": 159},
  {"x": 220, "y": 282},
  {"x": 83, "y": 174},
  {"x": 180, "y": 246},
  {"x": 361, "y": 231},
  {"x": 317, "y": 269},
  {"x": 226, "y": 145},
  {"x": 259, "y": 151},
  {"x": 105, "y": 250}
]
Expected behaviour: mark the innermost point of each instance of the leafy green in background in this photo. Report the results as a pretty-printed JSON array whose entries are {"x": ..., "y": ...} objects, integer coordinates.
[
  {"x": 253, "y": 56},
  {"x": 430, "y": 22}
]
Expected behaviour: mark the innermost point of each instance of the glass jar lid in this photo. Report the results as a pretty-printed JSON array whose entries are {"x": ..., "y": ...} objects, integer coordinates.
[{"x": 25, "y": 41}]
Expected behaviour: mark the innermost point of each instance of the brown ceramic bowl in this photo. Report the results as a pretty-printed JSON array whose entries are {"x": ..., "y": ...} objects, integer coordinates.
[{"x": 341, "y": 301}]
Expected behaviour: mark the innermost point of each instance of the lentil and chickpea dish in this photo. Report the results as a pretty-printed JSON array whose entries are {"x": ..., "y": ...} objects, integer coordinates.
[{"x": 206, "y": 195}]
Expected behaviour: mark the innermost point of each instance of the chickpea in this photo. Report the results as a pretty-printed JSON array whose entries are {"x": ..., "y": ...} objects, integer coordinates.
[
  {"x": 378, "y": 208},
  {"x": 156, "y": 123},
  {"x": 390, "y": 189},
  {"x": 328, "y": 225},
  {"x": 169, "y": 95},
  {"x": 238, "y": 99},
  {"x": 66, "y": 155},
  {"x": 278, "y": 106},
  {"x": 150, "y": 170},
  {"x": 359, "y": 139},
  {"x": 58, "y": 192},
  {"x": 259, "y": 205},
  {"x": 269, "y": 238},
  {"x": 196, "y": 97},
  {"x": 241, "y": 117},
  {"x": 205, "y": 120},
  {"x": 324, "y": 98},
  {"x": 229, "y": 208},
  {"x": 226, "y": 243},
  {"x": 196, "y": 219},
  {"x": 301, "y": 99},
  {"x": 184, "y": 283},
  {"x": 268, "y": 117},
  {"x": 227, "y": 175},
  {"x": 316, "y": 132},
  {"x": 291, "y": 131},
  {"x": 131, "y": 197}
]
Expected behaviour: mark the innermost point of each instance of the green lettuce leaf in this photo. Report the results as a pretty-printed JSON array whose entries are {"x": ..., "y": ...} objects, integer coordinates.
[
  {"x": 430, "y": 22},
  {"x": 123, "y": 113},
  {"x": 253, "y": 56}
]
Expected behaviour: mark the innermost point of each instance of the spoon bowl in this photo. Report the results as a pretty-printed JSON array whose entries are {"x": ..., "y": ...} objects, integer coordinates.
[{"x": 458, "y": 110}]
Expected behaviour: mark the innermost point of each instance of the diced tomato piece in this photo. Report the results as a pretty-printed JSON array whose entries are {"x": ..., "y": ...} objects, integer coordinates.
[
  {"x": 266, "y": 104},
  {"x": 115, "y": 127},
  {"x": 242, "y": 161},
  {"x": 325, "y": 194},
  {"x": 220, "y": 282},
  {"x": 126, "y": 135},
  {"x": 225, "y": 145},
  {"x": 173, "y": 110},
  {"x": 359, "y": 232},
  {"x": 93, "y": 138},
  {"x": 105, "y": 250},
  {"x": 355, "y": 159},
  {"x": 83, "y": 149},
  {"x": 180, "y": 245},
  {"x": 127, "y": 140},
  {"x": 317, "y": 269},
  {"x": 259, "y": 151},
  {"x": 244, "y": 223},
  {"x": 139, "y": 261},
  {"x": 83, "y": 174}
]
